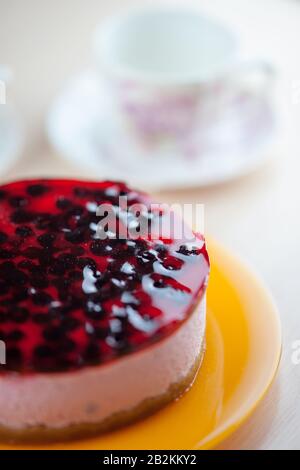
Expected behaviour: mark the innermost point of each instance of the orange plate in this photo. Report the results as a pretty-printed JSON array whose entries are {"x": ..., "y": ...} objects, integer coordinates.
[{"x": 243, "y": 352}]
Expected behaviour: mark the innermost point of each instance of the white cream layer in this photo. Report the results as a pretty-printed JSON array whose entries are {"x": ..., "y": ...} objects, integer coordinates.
[{"x": 95, "y": 393}]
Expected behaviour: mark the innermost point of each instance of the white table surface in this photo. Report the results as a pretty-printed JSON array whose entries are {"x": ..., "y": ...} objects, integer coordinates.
[{"x": 257, "y": 216}]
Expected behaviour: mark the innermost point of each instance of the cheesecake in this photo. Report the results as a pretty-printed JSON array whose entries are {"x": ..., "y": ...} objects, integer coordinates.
[{"x": 102, "y": 307}]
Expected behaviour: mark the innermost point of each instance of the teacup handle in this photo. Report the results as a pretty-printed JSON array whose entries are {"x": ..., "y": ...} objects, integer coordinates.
[{"x": 258, "y": 73}]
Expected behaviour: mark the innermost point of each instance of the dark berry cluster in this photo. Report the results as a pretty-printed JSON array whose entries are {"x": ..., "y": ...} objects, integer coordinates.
[{"x": 70, "y": 299}]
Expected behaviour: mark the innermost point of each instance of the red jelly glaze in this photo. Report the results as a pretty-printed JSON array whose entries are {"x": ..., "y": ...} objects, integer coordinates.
[{"x": 67, "y": 299}]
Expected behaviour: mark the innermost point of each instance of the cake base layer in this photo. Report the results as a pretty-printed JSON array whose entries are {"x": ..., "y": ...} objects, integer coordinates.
[
  {"x": 40, "y": 434},
  {"x": 101, "y": 395}
]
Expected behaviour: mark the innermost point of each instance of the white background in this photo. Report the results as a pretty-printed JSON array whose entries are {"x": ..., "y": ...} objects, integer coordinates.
[{"x": 257, "y": 216}]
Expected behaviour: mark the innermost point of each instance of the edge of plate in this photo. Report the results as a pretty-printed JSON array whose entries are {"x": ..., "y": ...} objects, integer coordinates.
[{"x": 239, "y": 418}]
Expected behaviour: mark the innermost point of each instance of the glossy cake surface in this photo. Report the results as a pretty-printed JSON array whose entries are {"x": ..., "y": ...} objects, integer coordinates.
[{"x": 70, "y": 298}]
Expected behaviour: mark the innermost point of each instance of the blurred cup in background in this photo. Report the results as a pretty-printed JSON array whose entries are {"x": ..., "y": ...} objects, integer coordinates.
[{"x": 171, "y": 69}]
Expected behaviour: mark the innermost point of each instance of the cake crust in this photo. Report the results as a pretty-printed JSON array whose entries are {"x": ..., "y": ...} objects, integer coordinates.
[{"x": 43, "y": 434}]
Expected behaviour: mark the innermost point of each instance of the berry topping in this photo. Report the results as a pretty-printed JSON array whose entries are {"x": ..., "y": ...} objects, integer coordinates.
[{"x": 74, "y": 291}]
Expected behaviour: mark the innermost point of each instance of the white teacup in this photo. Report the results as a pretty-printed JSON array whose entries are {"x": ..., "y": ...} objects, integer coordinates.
[{"x": 170, "y": 69}]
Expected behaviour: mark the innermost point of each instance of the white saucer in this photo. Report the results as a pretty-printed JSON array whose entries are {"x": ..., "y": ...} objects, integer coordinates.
[
  {"x": 10, "y": 138},
  {"x": 82, "y": 126}
]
